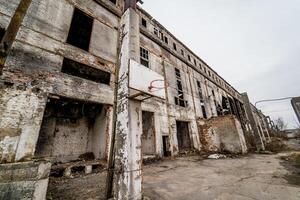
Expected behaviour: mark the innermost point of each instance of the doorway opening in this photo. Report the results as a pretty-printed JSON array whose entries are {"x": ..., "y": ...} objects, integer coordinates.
[
  {"x": 148, "y": 136},
  {"x": 183, "y": 136}
]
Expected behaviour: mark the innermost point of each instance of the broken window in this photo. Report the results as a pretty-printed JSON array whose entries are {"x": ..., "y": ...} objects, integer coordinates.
[
  {"x": 174, "y": 46},
  {"x": 144, "y": 22},
  {"x": 2, "y": 32},
  {"x": 166, "y": 40},
  {"x": 80, "y": 30},
  {"x": 200, "y": 90},
  {"x": 201, "y": 100},
  {"x": 161, "y": 35},
  {"x": 144, "y": 55},
  {"x": 179, "y": 100},
  {"x": 156, "y": 31},
  {"x": 84, "y": 71}
]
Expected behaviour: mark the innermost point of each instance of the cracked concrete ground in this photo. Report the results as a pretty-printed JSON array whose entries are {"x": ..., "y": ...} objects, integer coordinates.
[{"x": 256, "y": 176}]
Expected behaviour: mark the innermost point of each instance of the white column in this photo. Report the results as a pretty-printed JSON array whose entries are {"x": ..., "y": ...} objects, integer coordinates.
[{"x": 128, "y": 159}]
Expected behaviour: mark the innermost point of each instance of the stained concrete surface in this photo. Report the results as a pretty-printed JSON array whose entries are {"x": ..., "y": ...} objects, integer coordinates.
[
  {"x": 82, "y": 187},
  {"x": 253, "y": 177}
]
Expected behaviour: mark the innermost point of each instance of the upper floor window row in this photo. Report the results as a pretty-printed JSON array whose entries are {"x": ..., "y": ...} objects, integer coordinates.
[{"x": 161, "y": 35}]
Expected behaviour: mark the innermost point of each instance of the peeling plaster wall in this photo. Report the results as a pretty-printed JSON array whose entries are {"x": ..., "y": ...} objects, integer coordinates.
[
  {"x": 21, "y": 112},
  {"x": 223, "y": 134}
]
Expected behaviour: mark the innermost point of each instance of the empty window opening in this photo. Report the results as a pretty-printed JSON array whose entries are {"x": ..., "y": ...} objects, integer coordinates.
[
  {"x": 113, "y": 1},
  {"x": 232, "y": 108},
  {"x": 225, "y": 106},
  {"x": 144, "y": 55},
  {"x": 200, "y": 91},
  {"x": 2, "y": 32},
  {"x": 166, "y": 146},
  {"x": 182, "y": 52},
  {"x": 80, "y": 30},
  {"x": 201, "y": 97},
  {"x": 204, "y": 111},
  {"x": 72, "y": 129},
  {"x": 161, "y": 35},
  {"x": 189, "y": 57},
  {"x": 183, "y": 136},
  {"x": 148, "y": 136},
  {"x": 175, "y": 46},
  {"x": 84, "y": 71},
  {"x": 195, "y": 62},
  {"x": 179, "y": 100},
  {"x": 155, "y": 31},
  {"x": 166, "y": 40},
  {"x": 144, "y": 22}
]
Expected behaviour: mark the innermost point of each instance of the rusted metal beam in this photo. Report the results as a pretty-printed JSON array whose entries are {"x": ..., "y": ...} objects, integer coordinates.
[{"x": 12, "y": 30}]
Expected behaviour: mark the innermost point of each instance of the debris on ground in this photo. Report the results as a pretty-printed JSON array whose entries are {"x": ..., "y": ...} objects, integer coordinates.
[
  {"x": 276, "y": 145},
  {"x": 216, "y": 156}
]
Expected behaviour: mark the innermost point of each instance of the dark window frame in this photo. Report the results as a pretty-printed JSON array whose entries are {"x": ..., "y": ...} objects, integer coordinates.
[
  {"x": 144, "y": 57},
  {"x": 76, "y": 36},
  {"x": 144, "y": 22}
]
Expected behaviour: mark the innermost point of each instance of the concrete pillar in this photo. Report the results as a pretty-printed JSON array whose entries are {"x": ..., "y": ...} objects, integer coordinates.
[
  {"x": 254, "y": 125},
  {"x": 128, "y": 159}
]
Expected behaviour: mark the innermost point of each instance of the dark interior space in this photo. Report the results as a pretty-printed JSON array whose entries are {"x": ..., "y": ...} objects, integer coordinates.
[
  {"x": 80, "y": 30},
  {"x": 204, "y": 111},
  {"x": 183, "y": 135},
  {"x": 2, "y": 32},
  {"x": 71, "y": 130},
  {"x": 148, "y": 136},
  {"x": 84, "y": 71},
  {"x": 166, "y": 146}
]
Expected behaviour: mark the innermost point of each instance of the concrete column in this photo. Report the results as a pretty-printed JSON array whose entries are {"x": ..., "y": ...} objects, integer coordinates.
[
  {"x": 128, "y": 159},
  {"x": 258, "y": 140}
]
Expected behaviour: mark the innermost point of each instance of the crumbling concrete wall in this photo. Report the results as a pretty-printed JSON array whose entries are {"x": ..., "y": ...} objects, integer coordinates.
[
  {"x": 223, "y": 134},
  {"x": 21, "y": 112},
  {"x": 24, "y": 180}
]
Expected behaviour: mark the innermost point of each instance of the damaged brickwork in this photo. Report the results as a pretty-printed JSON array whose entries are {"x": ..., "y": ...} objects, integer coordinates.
[{"x": 223, "y": 134}]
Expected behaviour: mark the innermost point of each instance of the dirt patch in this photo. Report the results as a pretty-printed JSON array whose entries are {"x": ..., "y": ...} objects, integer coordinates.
[
  {"x": 292, "y": 163},
  {"x": 276, "y": 145},
  {"x": 90, "y": 186}
]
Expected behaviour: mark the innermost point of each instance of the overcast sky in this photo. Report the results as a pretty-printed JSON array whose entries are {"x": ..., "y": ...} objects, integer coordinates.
[{"x": 253, "y": 44}]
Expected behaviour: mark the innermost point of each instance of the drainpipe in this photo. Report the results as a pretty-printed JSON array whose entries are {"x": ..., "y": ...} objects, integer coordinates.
[{"x": 12, "y": 30}]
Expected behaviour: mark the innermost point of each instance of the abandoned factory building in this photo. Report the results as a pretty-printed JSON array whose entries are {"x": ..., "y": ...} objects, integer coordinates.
[{"x": 64, "y": 68}]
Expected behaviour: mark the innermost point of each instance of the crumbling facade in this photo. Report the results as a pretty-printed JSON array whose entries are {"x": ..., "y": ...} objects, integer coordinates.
[{"x": 64, "y": 68}]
